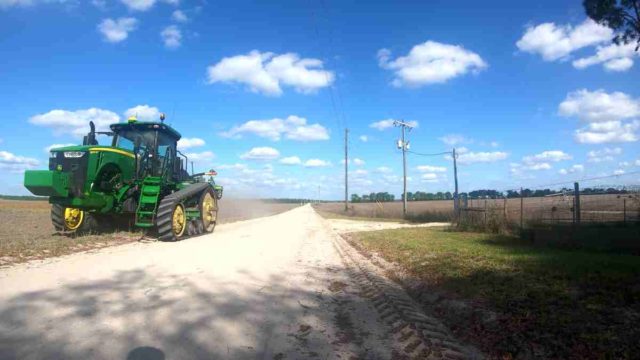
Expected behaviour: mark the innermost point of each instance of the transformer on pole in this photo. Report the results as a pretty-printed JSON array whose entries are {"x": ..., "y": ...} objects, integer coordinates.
[{"x": 404, "y": 145}]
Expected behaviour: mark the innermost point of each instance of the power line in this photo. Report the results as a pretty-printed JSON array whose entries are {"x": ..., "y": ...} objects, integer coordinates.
[
  {"x": 336, "y": 114},
  {"x": 584, "y": 179},
  {"x": 435, "y": 154}
]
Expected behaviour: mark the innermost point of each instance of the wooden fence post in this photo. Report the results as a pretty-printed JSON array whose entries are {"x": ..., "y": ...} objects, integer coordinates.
[
  {"x": 505, "y": 209},
  {"x": 485, "y": 212},
  {"x": 521, "y": 209},
  {"x": 576, "y": 197}
]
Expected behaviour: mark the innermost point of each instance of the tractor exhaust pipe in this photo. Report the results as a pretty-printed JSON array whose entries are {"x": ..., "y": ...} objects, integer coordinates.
[{"x": 90, "y": 139}]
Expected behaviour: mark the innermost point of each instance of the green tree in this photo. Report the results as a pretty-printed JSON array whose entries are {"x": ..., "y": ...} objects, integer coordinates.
[
  {"x": 623, "y": 16},
  {"x": 355, "y": 198}
]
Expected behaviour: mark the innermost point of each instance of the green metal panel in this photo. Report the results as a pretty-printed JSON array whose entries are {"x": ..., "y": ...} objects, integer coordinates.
[{"x": 47, "y": 183}]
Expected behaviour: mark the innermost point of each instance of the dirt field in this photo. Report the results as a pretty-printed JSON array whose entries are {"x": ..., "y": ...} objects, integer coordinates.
[
  {"x": 546, "y": 209},
  {"x": 36, "y": 237}
]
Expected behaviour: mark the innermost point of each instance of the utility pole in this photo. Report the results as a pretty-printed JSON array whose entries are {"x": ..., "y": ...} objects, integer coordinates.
[
  {"x": 346, "y": 170},
  {"x": 404, "y": 145},
  {"x": 456, "y": 202}
]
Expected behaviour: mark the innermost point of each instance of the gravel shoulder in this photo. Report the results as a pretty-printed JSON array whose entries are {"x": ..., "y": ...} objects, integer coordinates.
[{"x": 344, "y": 226}]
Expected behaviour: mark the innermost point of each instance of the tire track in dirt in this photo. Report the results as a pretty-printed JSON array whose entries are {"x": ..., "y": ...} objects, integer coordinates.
[{"x": 416, "y": 335}]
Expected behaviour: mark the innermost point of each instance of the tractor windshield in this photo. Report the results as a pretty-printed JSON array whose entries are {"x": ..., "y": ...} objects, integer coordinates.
[{"x": 155, "y": 150}]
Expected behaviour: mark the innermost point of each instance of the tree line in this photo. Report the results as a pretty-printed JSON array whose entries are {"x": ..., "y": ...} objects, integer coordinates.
[{"x": 479, "y": 194}]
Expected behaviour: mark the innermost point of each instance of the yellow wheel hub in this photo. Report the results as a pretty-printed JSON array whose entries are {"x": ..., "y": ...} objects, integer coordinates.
[
  {"x": 179, "y": 221},
  {"x": 73, "y": 218},
  {"x": 208, "y": 210}
]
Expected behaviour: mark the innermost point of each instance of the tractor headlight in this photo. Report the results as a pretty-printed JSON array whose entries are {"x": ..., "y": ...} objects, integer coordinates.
[{"x": 73, "y": 154}]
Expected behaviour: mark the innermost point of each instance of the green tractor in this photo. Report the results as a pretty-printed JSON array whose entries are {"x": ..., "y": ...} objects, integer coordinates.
[{"x": 141, "y": 179}]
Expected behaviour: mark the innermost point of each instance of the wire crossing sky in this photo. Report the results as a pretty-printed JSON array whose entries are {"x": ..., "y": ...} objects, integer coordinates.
[{"x": 527, "y": 92}]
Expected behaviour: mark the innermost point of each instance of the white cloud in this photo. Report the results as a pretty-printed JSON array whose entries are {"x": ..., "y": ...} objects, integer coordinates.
[
  {"x": 200, "y": 157},
  {"x": 363, "y": 138},
  {"x": 538, "y": 162},
  {"x": 545, "y": 156},
  {"x": 573, "y": 169},
  {"x": 316, "y": 163},
  {"x": 261, "y": 153},
  {"x": 384, "y": 170},
  {"x": 606, "y": 116},
  {"x": 53, "y": 146},
  {"x": 75, "y": 122},
  {"x": 16, "y": 164},
  {"x": 100, "y": 4},
  {"x": 291, "y": 160},
  {"x": 139, "y": 5},
  {"x": 538, "y": 166},
  {"x": 617, "y": 132},
  {"x": 519, "y": 170},
  {"x": 143, "y": 113},
  {"x": 185, "y": 143},
  {"x": 433, "y": 177},
  {"x": 619, "y": 172},
  {"x": 358, "y": 162},
  {"x": 599, "y": 106},
  {"x": 430, "y": 63},
  {"x": 179, "y": 16},
  {"x": 171, "y": 36},
  {"x": 267, "y": 72},
  {"x": 481, "y": 157},
  {"x": 556, "y": 42},
  {"x": 614, "y": 57},
  {"x": 606, "y": 154},
  {"x": 236, "y": 166},
  {"x": 454, "y": 139},
  {"x": 431, "y": 169},
  {"x": 144, "y": 5},
  {"x": 24, "y": 3},
  {"x": 292, "y": 128},
  {"x": 118, "y": 30},
  {"x": 388, "y": 123}
]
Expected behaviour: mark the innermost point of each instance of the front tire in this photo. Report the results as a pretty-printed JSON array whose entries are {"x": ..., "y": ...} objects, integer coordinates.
[{"x": 71, "y": 220}]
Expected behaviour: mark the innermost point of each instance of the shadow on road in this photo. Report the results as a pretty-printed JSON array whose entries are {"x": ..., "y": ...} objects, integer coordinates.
[{"x": 144, "y": 314}]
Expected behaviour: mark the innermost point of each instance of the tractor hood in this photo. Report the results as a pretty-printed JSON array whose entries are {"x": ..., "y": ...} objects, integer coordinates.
[{"x": 90, "y": 149}]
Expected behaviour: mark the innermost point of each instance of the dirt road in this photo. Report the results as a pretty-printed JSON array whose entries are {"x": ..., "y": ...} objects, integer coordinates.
[{"x": 269, "y": 288}]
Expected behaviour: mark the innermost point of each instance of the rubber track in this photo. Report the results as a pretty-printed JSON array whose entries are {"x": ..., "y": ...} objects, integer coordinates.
[
  {"x": 168, "y": 203},
  {"x": 417, "y": 335}
]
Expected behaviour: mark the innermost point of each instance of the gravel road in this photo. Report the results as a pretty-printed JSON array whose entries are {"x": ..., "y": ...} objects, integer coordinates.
[{"x": 269, "y": 288}]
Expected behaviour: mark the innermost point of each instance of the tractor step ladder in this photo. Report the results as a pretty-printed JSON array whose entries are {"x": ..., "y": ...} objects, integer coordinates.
[{"x": 148, "y": 202}]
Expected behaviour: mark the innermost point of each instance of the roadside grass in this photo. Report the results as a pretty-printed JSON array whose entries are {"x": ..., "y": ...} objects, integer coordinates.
[{"x": 551, "y": 302}]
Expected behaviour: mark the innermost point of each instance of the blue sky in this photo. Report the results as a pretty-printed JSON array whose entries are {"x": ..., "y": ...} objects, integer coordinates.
[{"x": 529, "y": 92}]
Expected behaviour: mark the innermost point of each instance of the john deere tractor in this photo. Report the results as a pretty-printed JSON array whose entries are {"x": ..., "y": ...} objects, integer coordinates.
[{"x": 140, "y": 177}]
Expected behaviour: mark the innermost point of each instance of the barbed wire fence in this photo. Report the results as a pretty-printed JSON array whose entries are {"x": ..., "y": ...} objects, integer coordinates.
[{"x": 607, "y": 199}]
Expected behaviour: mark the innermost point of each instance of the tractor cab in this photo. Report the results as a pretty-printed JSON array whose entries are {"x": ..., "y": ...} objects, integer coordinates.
[{"x": 154, "y": 146}]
